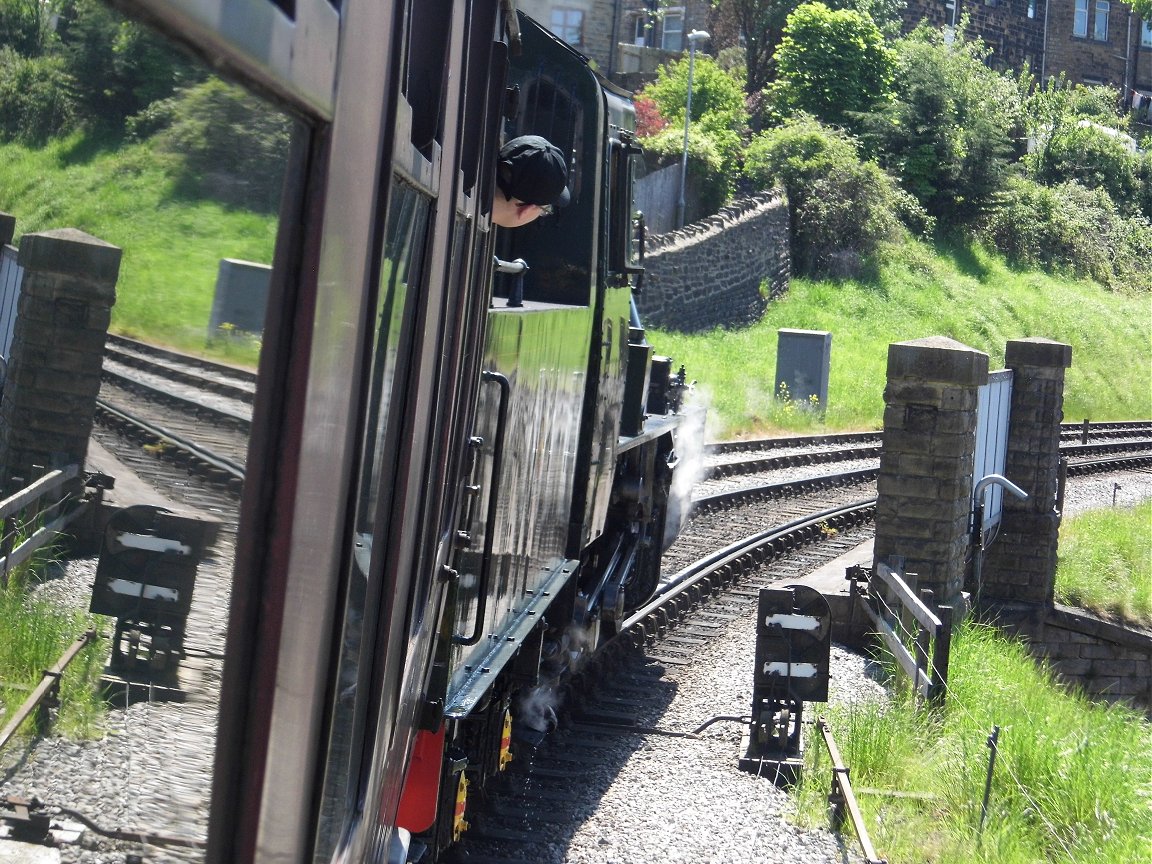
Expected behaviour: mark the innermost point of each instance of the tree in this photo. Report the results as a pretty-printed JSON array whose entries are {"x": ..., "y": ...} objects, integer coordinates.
[
  {"x": 833, "y": 64},
  {"x": 718, "y": 110},
  {"x": 119, "y": 66},
  {"x": 758, "y": 26},
  {"x": 25, "y": 26},
  {"x": 948, "y": 131},
  {"x": 1143, "y": 8}
]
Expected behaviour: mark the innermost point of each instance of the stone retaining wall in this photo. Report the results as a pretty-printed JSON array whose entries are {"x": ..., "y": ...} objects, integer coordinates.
[
  {"x": 709, "y": 273},
  {"x": 1107, "y": 661}
]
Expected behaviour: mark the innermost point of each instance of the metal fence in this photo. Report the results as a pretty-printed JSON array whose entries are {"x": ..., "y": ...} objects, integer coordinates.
[
  {"x": 11, "y": 275},
  {"x": 993, "y": 413}
]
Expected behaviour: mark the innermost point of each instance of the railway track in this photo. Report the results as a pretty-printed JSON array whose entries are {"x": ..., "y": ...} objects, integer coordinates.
[{"x": 798, "y": 512}]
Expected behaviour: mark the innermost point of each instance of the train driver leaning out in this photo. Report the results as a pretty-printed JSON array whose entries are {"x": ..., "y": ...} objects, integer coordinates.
[{"x": 532, "y": 180}]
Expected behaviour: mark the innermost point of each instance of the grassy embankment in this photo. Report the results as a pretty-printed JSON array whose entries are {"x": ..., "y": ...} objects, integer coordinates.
[
  {"x": 1070, "y": 783},
  {"x": 172, "y": 246},
  {"x": 968, "y": 295}
]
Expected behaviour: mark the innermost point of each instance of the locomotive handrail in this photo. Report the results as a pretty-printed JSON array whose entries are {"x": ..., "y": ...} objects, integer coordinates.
[{"x": 493, "y": 502}]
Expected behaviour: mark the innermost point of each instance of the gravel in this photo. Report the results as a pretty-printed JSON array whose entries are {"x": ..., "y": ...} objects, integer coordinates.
[{"x": 673, "y": 799}]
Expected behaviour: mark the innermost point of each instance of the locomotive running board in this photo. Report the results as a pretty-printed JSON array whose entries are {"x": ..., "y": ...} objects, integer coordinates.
[{"x": 486, "y": 663}]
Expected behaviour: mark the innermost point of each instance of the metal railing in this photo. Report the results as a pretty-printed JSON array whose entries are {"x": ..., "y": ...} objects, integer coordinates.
[
  {"x": 46, "y": 694},
  {"x": 843, "y": 799}
]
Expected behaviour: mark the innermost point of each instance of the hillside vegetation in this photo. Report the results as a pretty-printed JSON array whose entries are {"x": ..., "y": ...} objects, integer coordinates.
[
  {"x": 173, "y": 244},
  {"x": 967, "y": 294}
]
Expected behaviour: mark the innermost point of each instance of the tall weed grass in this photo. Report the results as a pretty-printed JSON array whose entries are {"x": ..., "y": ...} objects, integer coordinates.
[
  {"x": 1106, "y": 563},
  {"x": 33, "y": 636},
  {"x": 1071, "y": 783}
]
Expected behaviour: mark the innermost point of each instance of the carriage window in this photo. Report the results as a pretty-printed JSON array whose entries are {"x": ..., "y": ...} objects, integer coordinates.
[
  {"x": 427, "y": 66},
  {"x": 138, "y": 157},
  {"x": 405, "y": 235}
]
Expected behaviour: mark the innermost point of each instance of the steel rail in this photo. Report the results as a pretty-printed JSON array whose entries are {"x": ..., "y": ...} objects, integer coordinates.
[
  {"x": 775, "y": 540},
  {"x": 187, "y": 359},
  {"x": 49, "y": 685},
  {"x": 774, "y": 491},
  {"x": 1118, "y": 427},
  {"x": 220, "y": 463}
]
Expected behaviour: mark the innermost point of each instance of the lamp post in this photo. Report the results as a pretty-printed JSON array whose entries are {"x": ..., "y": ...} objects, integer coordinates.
[{"x": 693, "y": 37}]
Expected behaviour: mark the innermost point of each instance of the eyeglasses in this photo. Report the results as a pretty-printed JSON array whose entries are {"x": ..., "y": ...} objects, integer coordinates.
[{"x": 545, "y": 209}]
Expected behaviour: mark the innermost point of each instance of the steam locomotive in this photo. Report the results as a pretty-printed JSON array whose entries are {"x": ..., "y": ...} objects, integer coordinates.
[{"x": 463, "y": 448}]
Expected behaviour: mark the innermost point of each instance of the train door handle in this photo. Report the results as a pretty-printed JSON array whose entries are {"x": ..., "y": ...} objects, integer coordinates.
[{"x": 493, "y": 503}]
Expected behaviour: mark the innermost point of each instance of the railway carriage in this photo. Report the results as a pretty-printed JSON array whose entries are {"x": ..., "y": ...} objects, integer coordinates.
[{"x": 458, "y": 478}]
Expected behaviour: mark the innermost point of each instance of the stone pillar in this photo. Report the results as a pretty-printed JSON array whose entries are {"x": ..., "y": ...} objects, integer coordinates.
[
  {"x": 49, "y": 397},
  {"x": 1020, "y": 564},
  {"x": 924, "y": 489}
]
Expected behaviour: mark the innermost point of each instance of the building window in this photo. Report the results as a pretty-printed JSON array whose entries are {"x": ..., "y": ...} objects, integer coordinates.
[
  {"x": 1031, "y": 8},
  {"x": 1100, "y": 30},
  {"x": 1080, "y": 22},
  {"x": 1146, "y": 35},
  {"x": 640, "y": 31},
  {"x": 568, "y": 24},
  {"x": 673, "y": 38}
]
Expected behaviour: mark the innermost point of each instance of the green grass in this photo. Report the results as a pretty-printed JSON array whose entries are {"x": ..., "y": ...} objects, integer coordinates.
[
  {"x": 171, "y": 246},
  {"x": 1106, "y": 563},
  {"x": 969, "y": 295},
  {"x": 33, "y": 636},
  {"x": 1071, "y": 783}
]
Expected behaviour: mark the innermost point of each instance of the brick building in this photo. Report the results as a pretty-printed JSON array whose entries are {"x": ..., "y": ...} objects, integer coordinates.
[{"x": 1090, "y": 41}]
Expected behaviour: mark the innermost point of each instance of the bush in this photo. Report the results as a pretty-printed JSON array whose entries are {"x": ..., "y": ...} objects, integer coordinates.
[
  {"x": 713, "y": 185},
  {"x": 832, "y": 64},
  {"x": 36, "y": 98},
  {"x": 232, "y": 144},
  {"x": 1071, "y": 229},
  {"x": 1092, "y": 157},
  {"x": 947, "y": 134},
  {"x": 842, "y": 208}
]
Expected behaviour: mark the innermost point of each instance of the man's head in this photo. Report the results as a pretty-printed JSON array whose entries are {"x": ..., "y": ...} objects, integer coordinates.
[{"x": 532, "y": 177}]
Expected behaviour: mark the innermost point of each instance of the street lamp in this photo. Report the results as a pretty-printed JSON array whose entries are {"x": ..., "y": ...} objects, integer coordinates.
[{"x": 693, "y": 37}]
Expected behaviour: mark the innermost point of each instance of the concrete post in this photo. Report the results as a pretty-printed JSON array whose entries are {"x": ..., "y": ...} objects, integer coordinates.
[
  {"x": 925, "y": 482},
  {"x": 1020, "y": 564},
  {"x": 49, "y": 397}
]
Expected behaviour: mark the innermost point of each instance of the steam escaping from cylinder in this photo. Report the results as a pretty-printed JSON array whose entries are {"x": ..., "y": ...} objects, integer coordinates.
[{"x": 690, "y": 464}]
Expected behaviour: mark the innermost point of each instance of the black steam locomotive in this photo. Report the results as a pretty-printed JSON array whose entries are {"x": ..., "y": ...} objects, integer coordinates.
[{"x": 462, "y": 450}]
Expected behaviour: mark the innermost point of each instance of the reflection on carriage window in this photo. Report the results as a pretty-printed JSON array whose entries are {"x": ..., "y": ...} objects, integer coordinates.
[{"x": 404, "y": 240}]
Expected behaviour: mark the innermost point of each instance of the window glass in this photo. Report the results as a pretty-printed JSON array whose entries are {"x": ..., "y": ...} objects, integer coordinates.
[
  {"x": 1100, "y": 28},
  {"x": 673, "y": 39},
  {"x": 1146, "y": 35},
  {"x": 1080, "y": 22},
  {"x": 408, "y": 215},
  {"x": 640, "y": 31},
  {"x": 568, "y": 24}
]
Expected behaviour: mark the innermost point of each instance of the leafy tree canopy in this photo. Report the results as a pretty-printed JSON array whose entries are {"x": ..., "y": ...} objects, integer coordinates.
[
  {"x": 718, "y": 110},
  {"x": 948, "y": 131},
  {"x": 833, "y": 64}
]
